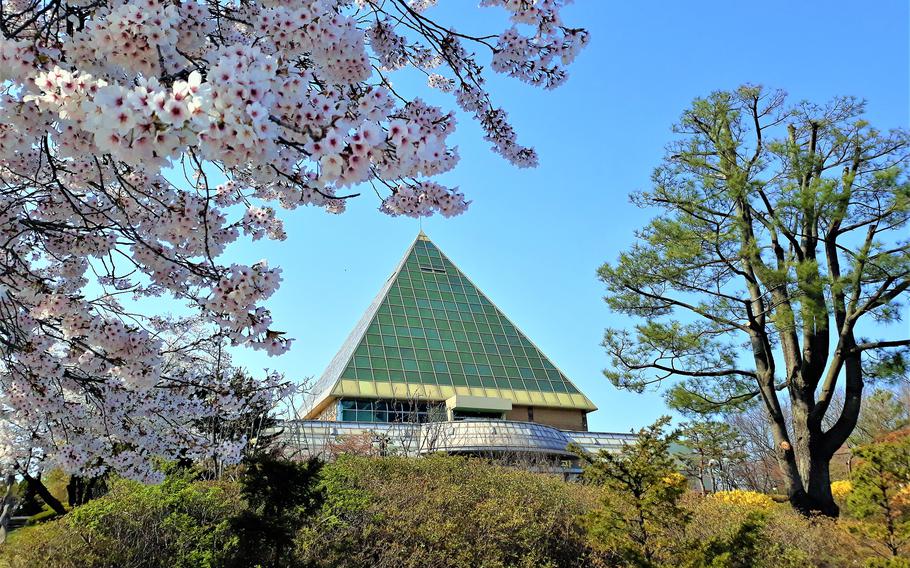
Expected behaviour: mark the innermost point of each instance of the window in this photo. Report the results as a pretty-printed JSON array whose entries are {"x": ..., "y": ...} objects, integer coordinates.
[
  {"x": 476, "y": 415},
  {"x": 360, "y": 410}
]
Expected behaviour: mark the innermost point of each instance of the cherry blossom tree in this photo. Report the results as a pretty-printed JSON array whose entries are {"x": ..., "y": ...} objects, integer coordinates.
[{"x": 139, "y": 138}]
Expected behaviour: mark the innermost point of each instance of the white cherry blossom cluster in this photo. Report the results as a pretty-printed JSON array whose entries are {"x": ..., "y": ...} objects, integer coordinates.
[
  {"x": 145, "y": 126},
  {"x": 538, "y": 59},
  {"x": 140, "y": 138},
  {"x": 135, "y": 36},
  {"x": 391, "y": 48},
  {"x": 233, "y": 305},
  {"x": 318, "y": 31},
  {"x": 261, "y": 221},
  {"x": 94, "y": 427},
  {"x": 239, "y": 95},
  {"x": 419, "y": 201},
  {"x": 17, "y": 59}
]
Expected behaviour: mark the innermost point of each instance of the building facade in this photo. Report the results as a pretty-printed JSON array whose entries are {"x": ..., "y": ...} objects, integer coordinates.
[{"x": 434, "y": 365}]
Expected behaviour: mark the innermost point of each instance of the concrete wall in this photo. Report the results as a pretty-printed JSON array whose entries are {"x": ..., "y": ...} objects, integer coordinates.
[{"x": 562, "y": 418}]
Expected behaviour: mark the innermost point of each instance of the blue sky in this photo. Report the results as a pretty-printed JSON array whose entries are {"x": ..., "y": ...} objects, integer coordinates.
[{"x": 533, "y": 239}]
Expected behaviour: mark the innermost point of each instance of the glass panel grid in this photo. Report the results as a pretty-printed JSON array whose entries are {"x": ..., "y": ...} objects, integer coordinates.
[{"x": 436, "y": 326}]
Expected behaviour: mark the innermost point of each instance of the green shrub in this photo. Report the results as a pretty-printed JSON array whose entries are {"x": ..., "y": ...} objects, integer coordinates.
[
  {"x": 639, "y": 509},
  {"x": 361, "y": 512},
  {"x": 49, "y": 544},
  {"x": 880, "y": 497},
  {"x": 444, "y": 511},
  {"x": 177, "y": 524},
  {"x": 776, "y": 537},
  {"x": 742, "y": 546}
]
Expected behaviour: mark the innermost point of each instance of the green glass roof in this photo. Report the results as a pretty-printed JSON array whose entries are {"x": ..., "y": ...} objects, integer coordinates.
[{"x": 431, "y": 333}]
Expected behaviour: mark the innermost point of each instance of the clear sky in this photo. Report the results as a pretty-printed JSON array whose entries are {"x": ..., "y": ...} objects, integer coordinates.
[{"x": 533, "y": 239}]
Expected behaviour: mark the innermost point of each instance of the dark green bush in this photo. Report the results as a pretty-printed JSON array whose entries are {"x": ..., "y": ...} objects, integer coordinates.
[{"x": 280, "y": 496}]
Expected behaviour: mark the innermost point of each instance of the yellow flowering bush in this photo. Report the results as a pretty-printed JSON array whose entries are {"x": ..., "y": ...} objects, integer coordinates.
[
  {"x": 751, "y": 499},
  {"x": 675, "y": 479},
  {"x": 841, "y": 489}
]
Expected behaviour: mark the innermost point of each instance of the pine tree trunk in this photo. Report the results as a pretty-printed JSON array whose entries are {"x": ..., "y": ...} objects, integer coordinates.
[
  {"x": 808, "y": 483},
  {"x": 804, "y": 464},
  {"x": 818, "y": 487}
]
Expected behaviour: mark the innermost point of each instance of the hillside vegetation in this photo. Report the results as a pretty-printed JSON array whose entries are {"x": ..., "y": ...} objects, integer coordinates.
[{"x": 456, "y": 512}]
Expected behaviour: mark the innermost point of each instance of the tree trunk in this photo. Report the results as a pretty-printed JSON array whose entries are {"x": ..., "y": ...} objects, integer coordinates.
[
  {"x": 7, "y": 506},
  {"x": 45, "y": 495},
  {"x": 78, "y": 490},
  {"x": 808, "y": 483},
  {"x": 818, "y": 487},
  {"x": 804, "y": 467}
]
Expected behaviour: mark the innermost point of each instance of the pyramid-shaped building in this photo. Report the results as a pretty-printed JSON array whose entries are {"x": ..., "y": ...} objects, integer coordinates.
[{"x": 433, "y": 347}]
